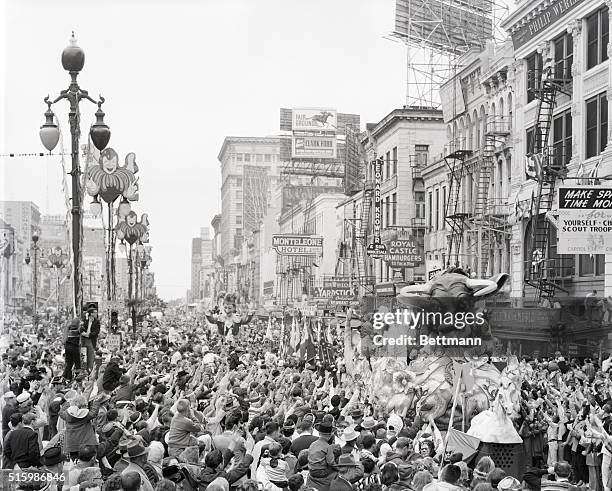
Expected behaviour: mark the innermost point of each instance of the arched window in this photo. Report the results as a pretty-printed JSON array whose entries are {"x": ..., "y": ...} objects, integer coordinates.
[{"x": 510, "y": 111}]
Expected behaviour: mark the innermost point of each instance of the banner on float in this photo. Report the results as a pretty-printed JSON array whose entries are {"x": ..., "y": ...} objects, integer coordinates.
[{"x": 585, "y": 220}]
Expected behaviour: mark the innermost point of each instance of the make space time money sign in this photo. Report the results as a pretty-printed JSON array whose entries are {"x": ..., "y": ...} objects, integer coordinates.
[{"x": 585, "y": 220}]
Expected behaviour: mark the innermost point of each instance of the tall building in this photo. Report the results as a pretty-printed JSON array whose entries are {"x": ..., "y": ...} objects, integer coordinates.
[
  {"x": 206, "y": 263},
  {"x": 24, "y": 218},
  {"x": 54, "y": 232},
  {"x": 196, "y": 266},
  {"x": 249, "y": 171}
]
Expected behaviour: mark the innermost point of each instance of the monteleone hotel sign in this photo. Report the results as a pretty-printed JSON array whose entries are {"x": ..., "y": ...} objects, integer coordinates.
[{"x": 546, "y": 13}]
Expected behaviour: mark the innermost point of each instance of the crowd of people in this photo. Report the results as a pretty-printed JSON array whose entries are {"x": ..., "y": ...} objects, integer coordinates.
[{"x": 195, "y": 404}]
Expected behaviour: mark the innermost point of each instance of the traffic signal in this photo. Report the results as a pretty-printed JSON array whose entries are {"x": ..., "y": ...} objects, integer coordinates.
[{"x": 114, "y": 320}]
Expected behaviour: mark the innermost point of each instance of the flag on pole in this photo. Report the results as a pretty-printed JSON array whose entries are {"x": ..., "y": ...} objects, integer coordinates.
[
  {"x": 269, "y": 330},
  {"x": 580, "y": 174},
  {"x": 594, "y": 173},
  {"x": 282, "y": 338},
  {"x": 533, "y": 166},
  {"x": 294, "y": 340}
]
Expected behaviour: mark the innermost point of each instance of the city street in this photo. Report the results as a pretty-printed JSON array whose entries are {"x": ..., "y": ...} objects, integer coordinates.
[{"x": 360, "y": 245}]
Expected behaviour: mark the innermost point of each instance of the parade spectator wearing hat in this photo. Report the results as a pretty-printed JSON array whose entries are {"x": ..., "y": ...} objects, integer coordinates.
[
  {"x": 89, "y": 336},
  {"x": 562, "y": 472},
  {"x": 52, "y": 461},
  {"x": 349, "y": 472},
  {"x": 137, "y": 456},
  {"x": 72, "y": 346},
  {"x": 322, "y": 458},
  {"x": 349, "y": 437},
  {"x": 10, "y": 406},
  {"x": 21, "y": 448},
  {"x": 79, "y": 423}
]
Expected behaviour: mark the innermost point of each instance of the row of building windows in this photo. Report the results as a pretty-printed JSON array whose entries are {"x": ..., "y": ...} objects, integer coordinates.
[
  {"x": 597, "y": 35},
  {"x": 258, "y": 157},
  {"x": 596, "y": 132}
]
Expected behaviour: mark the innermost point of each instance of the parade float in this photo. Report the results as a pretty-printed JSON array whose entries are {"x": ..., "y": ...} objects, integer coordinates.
[{"x": 443, "y": 374}]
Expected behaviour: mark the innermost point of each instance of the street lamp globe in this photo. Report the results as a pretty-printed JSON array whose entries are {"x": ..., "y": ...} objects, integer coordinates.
[
  {"x": 95, "y": 207},
  {"x": 49, "y": 132},
  {"x": 27, "y": 258},
  {"x": 99, "y": 131},
  {"x": 73, "y": 57}
]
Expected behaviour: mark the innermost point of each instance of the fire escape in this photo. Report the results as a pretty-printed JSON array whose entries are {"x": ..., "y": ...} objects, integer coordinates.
[
  {"x": 487, "y": 219},
  {"x": 540, "y": 269},
  {"x": 454, "y": 214}
]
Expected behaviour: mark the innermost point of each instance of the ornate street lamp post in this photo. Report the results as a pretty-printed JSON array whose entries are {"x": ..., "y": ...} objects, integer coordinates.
[
  {"x": 73, "y": 60},
  {"x": 35, "y": 249},
  {"x": 58, "y": 260}
]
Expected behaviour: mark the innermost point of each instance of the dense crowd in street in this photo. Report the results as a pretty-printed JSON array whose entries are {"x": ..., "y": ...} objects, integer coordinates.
[{"x": 192, "y": 404}]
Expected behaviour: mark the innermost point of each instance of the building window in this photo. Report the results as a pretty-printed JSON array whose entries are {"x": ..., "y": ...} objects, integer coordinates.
[
  {"x": 596, "y": 125},
  {"x": 247, "y": 157},
  {"x": 534, "y": 145},
  {"x": 268, "y": 158},
  {"x": 443, "y": 204},
  {"x": 419, "y": 197},
  {"x": 238, "y": 219},
  {"x": 394, "y": 157},
  {"x": 238, "y": 157},
  {"x": 429, "y": 211},
  {"x": 239, "y": 182},
  {"x": 422, "y": 154},
  {"x": 562, "y": 139},
  {"x": 388, "y": 165},
  {"x": 534, "y": 75},
  {"x": 387, "y": 211},
  {"x": 437, "y": 209},
  {"x": 394, "y": 208},
  {"x": 238, "y": 194},
  {"x": 259, "y": 157},
  {"x": 564, "y": 56},
  {"x": 591, "y": 265},
  {"x": 597, "y": 38}
]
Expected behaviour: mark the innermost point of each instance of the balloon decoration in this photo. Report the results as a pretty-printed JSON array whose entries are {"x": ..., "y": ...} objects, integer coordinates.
[
  {"x": 108, "y": 180},
  {"x": 56, "y": 258},
  {"x": 131, "y": 230}
]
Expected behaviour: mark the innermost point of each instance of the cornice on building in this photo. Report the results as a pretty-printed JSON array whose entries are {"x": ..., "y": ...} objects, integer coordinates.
[
  {"x": 404, "y": 114},
  {"x": 253, "y": 140}
]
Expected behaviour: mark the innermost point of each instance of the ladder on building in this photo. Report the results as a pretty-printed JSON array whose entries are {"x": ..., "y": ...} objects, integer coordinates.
[
  {"x": 454, "y": 214},
  {"x": 361, "y": 240},
  {"x": 540, "y": 271},
  {"x": 483, "y": 219}
]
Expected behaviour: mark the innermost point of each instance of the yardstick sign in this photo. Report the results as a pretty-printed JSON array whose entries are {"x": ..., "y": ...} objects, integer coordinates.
[
  {"x": 377, "y": 249},
  {"x": 543, "y": 16},
  {"x": 298, "y": 245},
  {"x": 585, "y": 220}
]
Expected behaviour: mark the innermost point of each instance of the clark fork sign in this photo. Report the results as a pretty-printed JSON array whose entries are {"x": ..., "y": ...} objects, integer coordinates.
[
  {"x": 298, "y": 245},
  {"x": 404, "y": 253},
  {"x": 585, "y": 220}
]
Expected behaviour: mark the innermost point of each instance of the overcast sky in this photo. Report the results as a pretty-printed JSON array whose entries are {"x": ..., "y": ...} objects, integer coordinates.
[{"x": 178, "y": 76}]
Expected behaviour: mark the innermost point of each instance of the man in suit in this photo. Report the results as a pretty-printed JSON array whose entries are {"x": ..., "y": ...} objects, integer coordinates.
[
  {"x": 21, "y": 448},
  {"x": 89, "y": 335}
]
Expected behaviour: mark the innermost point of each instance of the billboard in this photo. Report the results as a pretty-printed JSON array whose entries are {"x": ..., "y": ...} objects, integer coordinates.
[
  {"x": 585, "y": 220},
  {"x": 452, "y": 26},
  {"x": 314, "y": 120},
  {"x": 298, "y": 245},
  {"x": 317, "y": 147}
]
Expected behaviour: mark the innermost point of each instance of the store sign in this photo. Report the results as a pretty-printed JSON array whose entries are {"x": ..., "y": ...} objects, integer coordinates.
[
  {"x": 405, "y": 253},
  {"x": 377, "y": 249},
  {"x": 314, "y": 147},
  {"x": 385, "y": 289},
  {"x": 585, "y": 220},
  {"x": 548, "y": 12},
  {"x": 298, "y": 245},
  {"x": 433, "y": 274},
  {"x": 314, "y": 120}
]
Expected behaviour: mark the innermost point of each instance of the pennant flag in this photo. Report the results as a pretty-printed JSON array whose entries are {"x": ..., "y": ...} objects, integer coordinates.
[
  {"x": 294, "y": 340},
  {"x": 533, "y": 166},
  {"x": 462, "y": 442},
  {"x": 283, "y": 348},
  {"x": 594, "y": 173},
  {"x": 269, "y": 330},
  {"x": 581, "y": 172},
  {"x": 307, "y": 346}
]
